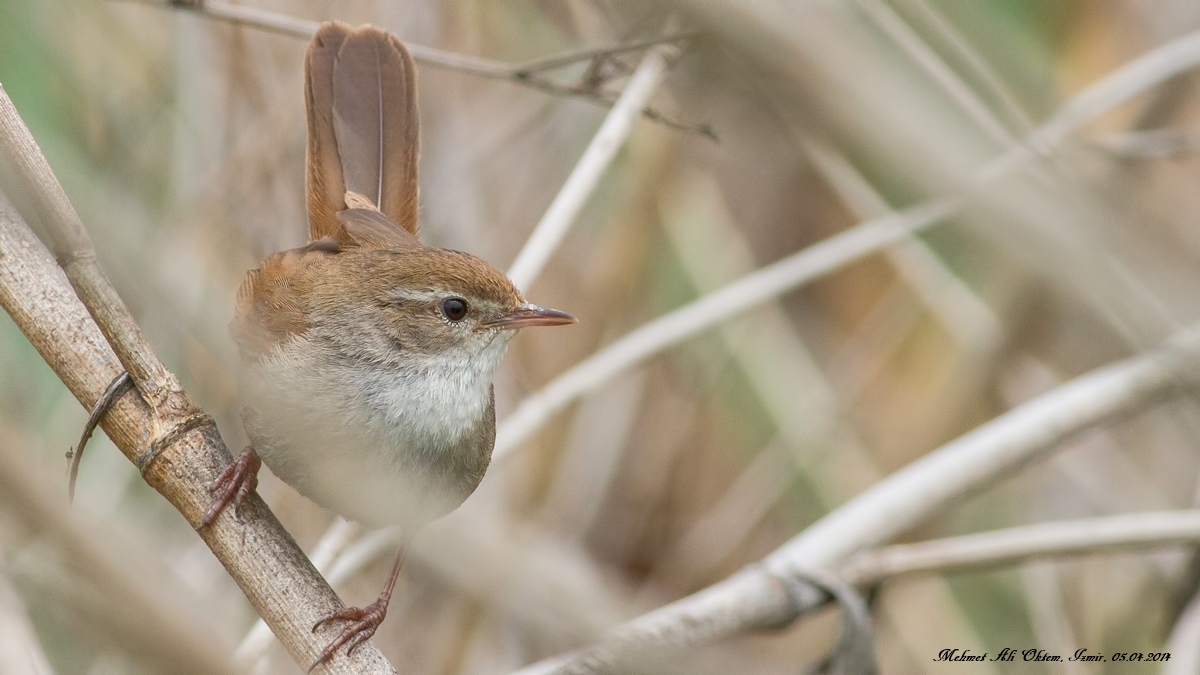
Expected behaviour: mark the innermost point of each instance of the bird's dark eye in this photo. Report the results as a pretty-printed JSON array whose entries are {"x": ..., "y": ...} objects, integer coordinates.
[{"x": 455, "y": 309}]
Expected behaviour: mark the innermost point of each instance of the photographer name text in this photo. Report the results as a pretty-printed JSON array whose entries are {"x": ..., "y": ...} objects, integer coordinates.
[{"x": 1008, "y": 654}]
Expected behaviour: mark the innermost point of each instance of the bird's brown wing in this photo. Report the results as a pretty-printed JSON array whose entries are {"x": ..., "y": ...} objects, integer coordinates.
[{"x": 268, "y": 309}]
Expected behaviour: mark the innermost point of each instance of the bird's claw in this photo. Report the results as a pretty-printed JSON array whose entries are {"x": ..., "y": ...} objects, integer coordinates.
[
  {"x": 234, "y": 484},
  {"x": 364, "y": 622}
]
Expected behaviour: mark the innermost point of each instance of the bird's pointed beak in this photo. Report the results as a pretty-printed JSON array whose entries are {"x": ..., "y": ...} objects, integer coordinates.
[{"x": 530, "y": 315}]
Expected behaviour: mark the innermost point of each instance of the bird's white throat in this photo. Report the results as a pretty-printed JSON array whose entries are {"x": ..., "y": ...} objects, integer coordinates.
[
  {"x": 436, "y": 398},
  {"x": 416, "y": 399}
]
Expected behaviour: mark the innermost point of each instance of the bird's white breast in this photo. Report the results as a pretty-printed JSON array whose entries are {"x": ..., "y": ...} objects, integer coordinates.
[{"x": 360, "y": 438}]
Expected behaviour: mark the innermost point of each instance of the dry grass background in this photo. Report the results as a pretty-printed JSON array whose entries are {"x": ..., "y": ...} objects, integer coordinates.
[{"x": 181, "y": 142}]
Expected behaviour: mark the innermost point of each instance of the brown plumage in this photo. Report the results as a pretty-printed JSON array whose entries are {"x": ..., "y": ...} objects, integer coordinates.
[
  {"x": 367, "y": 357},
  {"x": 363, "y": 148}
]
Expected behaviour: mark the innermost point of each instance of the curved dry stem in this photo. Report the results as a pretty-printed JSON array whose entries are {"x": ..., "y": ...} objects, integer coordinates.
[
  {"x": 756, "y": 597},
  {"x": 119, "y": 387}
]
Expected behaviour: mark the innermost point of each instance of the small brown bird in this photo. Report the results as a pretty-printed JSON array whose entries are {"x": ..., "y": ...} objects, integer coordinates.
[{"x": 368, "y": 357}]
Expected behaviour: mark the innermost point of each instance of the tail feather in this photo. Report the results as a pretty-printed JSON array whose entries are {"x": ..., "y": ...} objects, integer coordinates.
[
  {"x": 363, "y": 126},
  {"x": 326, "y": 186}
]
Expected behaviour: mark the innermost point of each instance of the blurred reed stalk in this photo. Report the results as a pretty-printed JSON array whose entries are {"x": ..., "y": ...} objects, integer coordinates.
[{"x": 172, "y": 442}]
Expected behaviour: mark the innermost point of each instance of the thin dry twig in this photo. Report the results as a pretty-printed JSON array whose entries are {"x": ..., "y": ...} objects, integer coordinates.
[
  {"x": 1135, "y": 531},
  {"x": 303, "y": 28},
  {"x": 527, "y": 74},
  {"x": 118, "y": 388},
  {"x": 757, "y": 598},
  {"x": 586, "y": 175},
  {"x": 556, "y": 61},
  {"x": 172, "y": 442}
]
